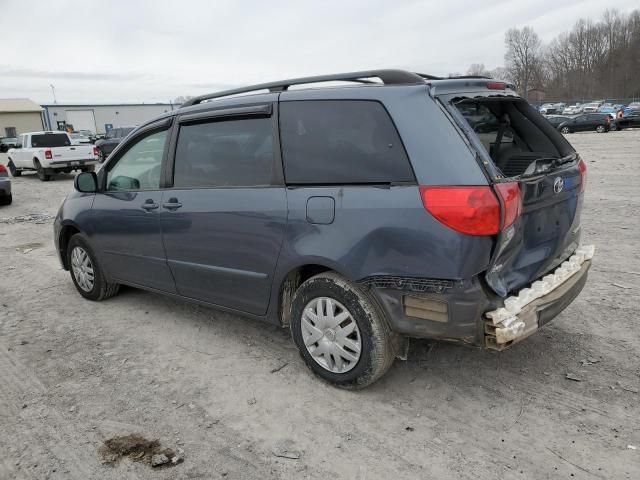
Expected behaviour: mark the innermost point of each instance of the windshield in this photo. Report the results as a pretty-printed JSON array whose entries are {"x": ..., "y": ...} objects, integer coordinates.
[{"x": 49, "y": 140}]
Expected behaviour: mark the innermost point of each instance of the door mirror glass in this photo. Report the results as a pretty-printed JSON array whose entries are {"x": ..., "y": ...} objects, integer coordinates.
[{"x": 86, "y": 182}]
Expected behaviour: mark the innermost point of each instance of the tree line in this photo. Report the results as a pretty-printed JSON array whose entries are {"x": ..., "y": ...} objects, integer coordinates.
[{"x": 594, "y": 60}]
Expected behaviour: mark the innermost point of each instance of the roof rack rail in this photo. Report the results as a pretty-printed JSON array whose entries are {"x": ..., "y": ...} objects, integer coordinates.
[
  {"x": 467, "y": 76},
  {"x": 388, "y": 77}
]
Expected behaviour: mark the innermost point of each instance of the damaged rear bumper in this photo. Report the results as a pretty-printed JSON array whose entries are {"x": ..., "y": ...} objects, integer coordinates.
[{"x": 532, "y": 307}]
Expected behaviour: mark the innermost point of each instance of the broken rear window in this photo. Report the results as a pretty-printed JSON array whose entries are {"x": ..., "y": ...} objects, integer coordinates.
[{"x": 512, "y": 133}]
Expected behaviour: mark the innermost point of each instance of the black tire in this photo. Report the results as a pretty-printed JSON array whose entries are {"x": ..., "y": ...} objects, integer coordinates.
[
  {"x": 42, "y": 174},
  {"x": 6, "y": 199},
  {"x": 102, "y": 289},
  {"x": 379, "y": 344},
  {"x": 601, "y": 129},
  {"x": 101, "y": 156},
  {"x": 13, "y": 170},
  {"x": 565, "y": 130}
]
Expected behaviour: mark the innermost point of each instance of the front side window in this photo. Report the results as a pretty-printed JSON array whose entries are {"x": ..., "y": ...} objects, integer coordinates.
[
  {"x": 230, "y": 153},
  {"x": 139, "y": 167},
  {"x": 341, "y": 142}
]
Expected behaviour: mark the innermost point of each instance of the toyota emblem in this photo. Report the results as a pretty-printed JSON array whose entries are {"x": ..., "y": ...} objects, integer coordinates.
[{"x": 558, "y": 185}]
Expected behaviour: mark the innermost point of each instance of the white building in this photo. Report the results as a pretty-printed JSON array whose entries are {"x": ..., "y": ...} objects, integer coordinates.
[{"x": 100, "y": 118}]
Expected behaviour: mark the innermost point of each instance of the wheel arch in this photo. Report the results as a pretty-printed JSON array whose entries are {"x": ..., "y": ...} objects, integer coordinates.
[
  {"x": 290, "y": 283},
  {"x": 66, "y": 232}
]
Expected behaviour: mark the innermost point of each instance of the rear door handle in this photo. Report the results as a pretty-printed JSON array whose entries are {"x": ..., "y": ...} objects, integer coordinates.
[
  {"x": 172, "y": 204},
  {"x": 149, "y": 205}
]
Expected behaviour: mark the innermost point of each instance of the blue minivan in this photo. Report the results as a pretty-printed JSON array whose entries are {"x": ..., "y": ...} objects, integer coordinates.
[{"x": 359, "y": 210}]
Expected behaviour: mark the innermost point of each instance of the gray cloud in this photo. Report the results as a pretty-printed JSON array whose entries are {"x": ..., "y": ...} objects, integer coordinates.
[{"x": 147, "y": 50}]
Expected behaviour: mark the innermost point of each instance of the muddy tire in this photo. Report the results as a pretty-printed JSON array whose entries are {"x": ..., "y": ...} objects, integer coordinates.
[
  {"x": 340, "y": 333},
  {"x": 42, "y": 174},
  {"x": 86, "y": 273},
  {"x": 13, "y": 170}
]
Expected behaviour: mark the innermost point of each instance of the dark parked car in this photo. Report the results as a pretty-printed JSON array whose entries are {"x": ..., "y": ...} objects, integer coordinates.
[
  {"x": 630, "y": 120},
  {"x": 111, "y": 140},
  {"x": 556, "y": 120},
  {"x": 356, "y": 216},
  {"x": 6, "y": 143},
  {"x": 5, "y": 186},
  {"x": 599, "y": 122}
]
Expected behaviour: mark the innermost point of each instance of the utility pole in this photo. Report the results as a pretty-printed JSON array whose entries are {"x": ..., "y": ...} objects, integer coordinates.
[{"x": 53, "y": 90}]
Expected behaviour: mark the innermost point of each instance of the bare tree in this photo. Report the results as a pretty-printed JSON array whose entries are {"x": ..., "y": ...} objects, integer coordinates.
[
  {"x": 523, "y": 58},
  {"x": 478, "y": 70}
]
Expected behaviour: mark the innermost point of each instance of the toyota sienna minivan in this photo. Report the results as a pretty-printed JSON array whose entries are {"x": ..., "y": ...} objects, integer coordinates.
[{"x": 395, "y": 205}]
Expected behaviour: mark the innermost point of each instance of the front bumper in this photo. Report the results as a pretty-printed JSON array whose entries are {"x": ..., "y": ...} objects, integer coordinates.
[{"x": 532, "y": 307}]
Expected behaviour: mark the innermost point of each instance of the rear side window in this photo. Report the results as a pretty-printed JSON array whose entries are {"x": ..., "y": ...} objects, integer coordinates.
[
  {"x": 50, "y": 140},
  {"x": 341, "y": 142},
  {"x": 229, "y": 153}
]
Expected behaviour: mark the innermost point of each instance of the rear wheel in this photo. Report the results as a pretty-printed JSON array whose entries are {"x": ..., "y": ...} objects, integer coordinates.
[
  {"x": 101, "y": 156},
  {"x": 565, "y": 130},
  {"x": 340, "y": 333},
  {"x": 42, "y": 174},
  {"x": 86, "y": 273},
  {"x": 13, "y": 170},
  {"x": 600, "y": 129},
  {"x": 6, "y": 199}
]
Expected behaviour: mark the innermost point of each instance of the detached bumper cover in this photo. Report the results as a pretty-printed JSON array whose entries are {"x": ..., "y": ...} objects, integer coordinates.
[{"x": 532, "y": 307}]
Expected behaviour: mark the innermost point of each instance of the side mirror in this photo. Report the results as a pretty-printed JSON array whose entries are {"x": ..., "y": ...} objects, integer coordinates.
[{"x": 86, "y": 182}]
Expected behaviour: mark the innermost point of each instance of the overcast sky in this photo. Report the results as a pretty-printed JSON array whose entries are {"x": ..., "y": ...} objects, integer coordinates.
[{"x": 150, "y": 51}]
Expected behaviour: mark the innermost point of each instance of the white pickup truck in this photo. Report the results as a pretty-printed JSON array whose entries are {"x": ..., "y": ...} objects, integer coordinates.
[{"x": 48, "y": 153}]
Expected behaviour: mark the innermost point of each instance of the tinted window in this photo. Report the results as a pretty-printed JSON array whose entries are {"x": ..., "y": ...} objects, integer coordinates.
[
  {"x": 226, "y": 153},
  {"x": 139, "y": 167},
  {"x": 334, "y": 142},
  {"x": 50, "y": 140}
]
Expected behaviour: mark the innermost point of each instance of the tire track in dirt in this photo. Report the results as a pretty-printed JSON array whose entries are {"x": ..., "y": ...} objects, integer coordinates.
[{"x": 50, "y": 434}]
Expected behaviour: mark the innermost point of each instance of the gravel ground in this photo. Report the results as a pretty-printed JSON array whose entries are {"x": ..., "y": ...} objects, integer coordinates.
[{"x": 234, "y": 395}]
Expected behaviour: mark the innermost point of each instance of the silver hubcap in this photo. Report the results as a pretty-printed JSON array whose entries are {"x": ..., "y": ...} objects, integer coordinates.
[
  {"x": 82, "y": 268},
  {"x": 331, "y": 335}
]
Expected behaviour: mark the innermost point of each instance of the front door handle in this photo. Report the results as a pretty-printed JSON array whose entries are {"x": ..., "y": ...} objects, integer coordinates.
[
  {"x": 149, "y": 205},
  {"x": 172, "y": 204}
]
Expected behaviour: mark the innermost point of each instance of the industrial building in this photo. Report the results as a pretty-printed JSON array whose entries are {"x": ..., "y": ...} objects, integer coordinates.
[
  {"x": 100, "y": 118},
  {"x": 19, "y": 115}
]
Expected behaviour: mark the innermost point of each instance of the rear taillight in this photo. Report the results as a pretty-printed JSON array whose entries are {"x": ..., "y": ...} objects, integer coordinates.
[
  {"x": 3, "y": 169},
  {"x": 511, "y": 201},
  {"x": 470, "y": 210},
  {"x": 95, "y": 151},
  {"x": 48, "y": 154},
  {"x": 583, "y": 175},
  {"x": 496, "y": 85},
  {"x": 473, "y": 210}
]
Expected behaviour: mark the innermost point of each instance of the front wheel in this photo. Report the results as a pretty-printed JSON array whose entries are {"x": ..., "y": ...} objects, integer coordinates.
[
  {"x": 600, "y": 129},
  {"x": 565, "y": 130},
  {"x": 6, "y": 199},
  {"x": 340, "y": 333},
  {"x": 86, "y": 273}
]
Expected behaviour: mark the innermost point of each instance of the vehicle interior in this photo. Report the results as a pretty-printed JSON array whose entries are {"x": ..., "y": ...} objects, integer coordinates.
[{"x": 510, "y": 137}]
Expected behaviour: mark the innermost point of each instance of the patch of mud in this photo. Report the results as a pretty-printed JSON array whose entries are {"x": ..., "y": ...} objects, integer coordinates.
[
  {"x": 138, "y": 449},
  {"x": 27, "y": 247}
]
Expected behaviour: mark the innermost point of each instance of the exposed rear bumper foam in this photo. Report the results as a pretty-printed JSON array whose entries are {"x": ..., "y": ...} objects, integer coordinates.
[{"x": 532, "y": 307}]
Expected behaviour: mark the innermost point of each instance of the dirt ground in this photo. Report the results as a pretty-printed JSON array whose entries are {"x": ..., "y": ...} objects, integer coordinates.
[{"x": 235, "y": 398}]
